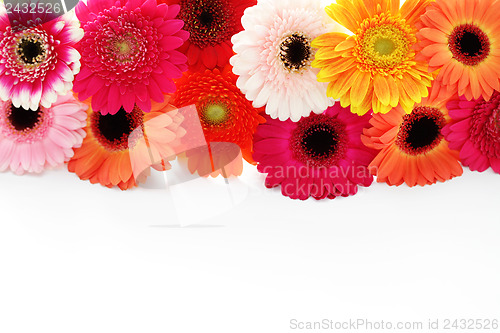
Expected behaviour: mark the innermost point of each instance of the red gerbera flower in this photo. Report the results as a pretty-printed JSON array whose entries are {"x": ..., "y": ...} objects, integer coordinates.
[
  {"x": 211, "y": 24},
  {"x": 223, "y": 111}
]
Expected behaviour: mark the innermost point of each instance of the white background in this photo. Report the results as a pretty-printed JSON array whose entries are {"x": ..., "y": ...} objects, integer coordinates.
[{"x": 76, "y": 257}]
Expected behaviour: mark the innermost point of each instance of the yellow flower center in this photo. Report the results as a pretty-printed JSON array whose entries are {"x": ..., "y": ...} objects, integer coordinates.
[
  {"x": 215, "y": 113},
  {"x": 384, "y": 45},
  {"x": 123, "y": 47}
]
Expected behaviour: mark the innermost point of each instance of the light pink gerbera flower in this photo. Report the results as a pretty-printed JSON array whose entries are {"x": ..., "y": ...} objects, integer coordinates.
[
  {"x": 475, "y": 131},
  {"x": 33, "y": 140},
  {"x": 129, "y": 53},
  {"x": 38, "y": 59},
  {"x": 274, "y": 55}
]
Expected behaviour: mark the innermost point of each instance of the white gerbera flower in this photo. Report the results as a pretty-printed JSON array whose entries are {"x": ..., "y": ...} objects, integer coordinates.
[{"x": 274, "y": 54}]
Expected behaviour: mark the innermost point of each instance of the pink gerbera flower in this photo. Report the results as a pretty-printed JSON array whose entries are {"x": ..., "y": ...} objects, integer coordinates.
[
  {"x": 475, "y": 131},
  {"x": 38, "y": 59},
  {"x": 33, "y": 140},
  {"x": 129, "y": 53},
  {"x": 320, "y": 156}
]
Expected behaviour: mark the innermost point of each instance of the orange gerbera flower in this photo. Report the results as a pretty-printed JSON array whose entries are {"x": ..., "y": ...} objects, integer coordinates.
[
  {"x": 412, "y": 146},
  {"x": 461, "y": 38},
  {"x": 225, "y": 115},
  {"x": 376, "y": 67},
  {"x": 120, "y": 149}
]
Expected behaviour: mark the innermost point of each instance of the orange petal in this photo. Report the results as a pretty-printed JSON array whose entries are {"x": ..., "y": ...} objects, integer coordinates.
[
  {"x": 331, "y": 39},
  {"x": 359, "y": 91},
  {"x": 382, "y": 90}
]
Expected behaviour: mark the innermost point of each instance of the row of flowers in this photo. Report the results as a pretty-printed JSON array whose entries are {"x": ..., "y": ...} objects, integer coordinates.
[{"x": 358, "y": 89}]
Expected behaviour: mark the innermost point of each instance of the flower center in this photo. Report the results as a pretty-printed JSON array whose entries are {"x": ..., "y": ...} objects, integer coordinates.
[
  {"x": 31, "y": 49},
  {"x": 24, "y": 126},
  {"x": 209, "y": 22},
  {"x": 121, "y": 46},
  {"x": 113, "y": 131},
  {"x": 125, "y": 48},
  {"x": 383, "y": 46},
  {"x": 24, "y": 120},
  {"x": 421, "y": 130},
  {"x": 215, "y": 113},
  {"x": 319, "y": 140},
  {"x": 295, "y": 52},
  {"x": 206, "y": 18},
  {"x": 469, "y": 44}
]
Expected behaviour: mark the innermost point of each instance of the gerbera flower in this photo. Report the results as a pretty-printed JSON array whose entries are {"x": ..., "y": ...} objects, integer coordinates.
[
  {"x": 211, "y": 24},
  {"x": 461, "y": 38},
  {"x": 375, "y": 68},
  {"x": 31, "y": 141},
  {"x": 320, "y": 156},
  {"x": 129, "y": 53},
  {"x": 120, "y": 149},
  {"x": 274, "y": 54},
  {"x": 223, "y": 111},
  {"x": 475, "y": 131},
  {"x": 412, "y": 146},
  {"x": 38, "y": 60}
]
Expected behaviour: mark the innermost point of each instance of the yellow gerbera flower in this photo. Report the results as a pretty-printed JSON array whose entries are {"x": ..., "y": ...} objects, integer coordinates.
[{"x": 376, "y": 67}]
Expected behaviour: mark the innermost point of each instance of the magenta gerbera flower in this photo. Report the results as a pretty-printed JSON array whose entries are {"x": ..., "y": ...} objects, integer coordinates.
[
  {"x": 475, "y": 131},
  {"x": 320, "y": 156},
  {"x": 129, "y": 53},
  {"x": 38, "y": 59},
  {"x": 33, "y": 140}
]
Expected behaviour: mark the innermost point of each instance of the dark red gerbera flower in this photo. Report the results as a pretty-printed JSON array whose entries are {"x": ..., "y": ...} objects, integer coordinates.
[{"x": 211, "y": 24}]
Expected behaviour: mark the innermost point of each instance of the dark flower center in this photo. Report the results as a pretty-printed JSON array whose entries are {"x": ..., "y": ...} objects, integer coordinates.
[
  {"x": 24, "y": 120},
  {"x": 206, "y": 18},
  {"x": 295, "y": 52},
  {"x": 469, "y": 44},
  {"x": 421, "y": 130},
  {"x": 113, "y": 131},
  {"x": 31, "y": 50},
  {"x": 319, "y": 140},
  {"x": 209, "y": 22}
]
